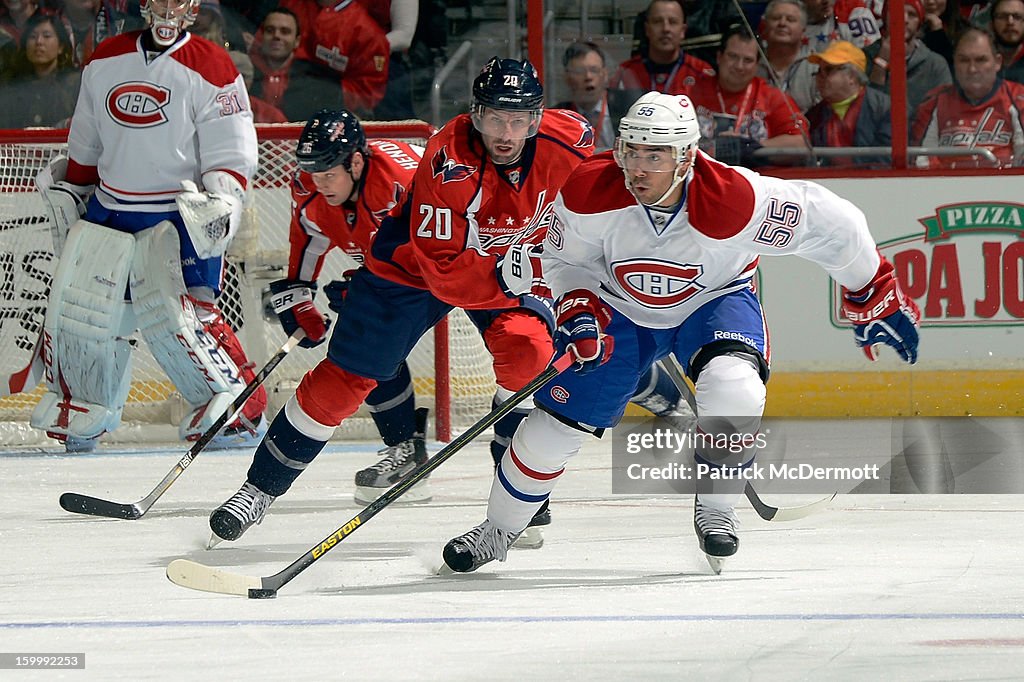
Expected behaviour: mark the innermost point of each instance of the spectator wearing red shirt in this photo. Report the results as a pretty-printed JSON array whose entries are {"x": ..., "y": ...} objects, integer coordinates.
[
  {"x": 665, "y": 67},
  {"x": 262, "y": 111},
  {"x": 740, "y": 112},
  {"x": 849, "y": 113},
  {"x": 979, "y": 110},
  {"x": 344, "y": 37},
  {"x": 297, "y": 87}
]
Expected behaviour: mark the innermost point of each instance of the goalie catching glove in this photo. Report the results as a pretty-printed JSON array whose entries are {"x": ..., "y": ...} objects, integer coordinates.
[
  {"x": 582, "y": 317},
  {"x": 882, "y": 313},
  {"x": 211, "y": 217},
  {"x": 293, "y": 302},
  {"x": 65, "y": 201}
]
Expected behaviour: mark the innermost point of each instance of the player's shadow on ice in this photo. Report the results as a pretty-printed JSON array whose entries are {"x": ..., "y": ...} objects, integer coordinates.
[{"x": 525, "y": 580}]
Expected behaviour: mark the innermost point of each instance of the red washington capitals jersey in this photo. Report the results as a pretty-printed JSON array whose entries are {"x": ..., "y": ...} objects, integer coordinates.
[
  {"x": 946, "y": 119},
  {"x": 317, "y": 227},
  {"x": 463, "y": 212}
]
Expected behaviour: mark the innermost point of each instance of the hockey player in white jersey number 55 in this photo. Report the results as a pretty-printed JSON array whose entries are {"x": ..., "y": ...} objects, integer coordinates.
[
  {"x": 161, "y": 149},
  {"x": 680, "y": 217}
]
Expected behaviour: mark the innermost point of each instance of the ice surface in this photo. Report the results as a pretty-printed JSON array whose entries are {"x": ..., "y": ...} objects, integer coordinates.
[{"x": 879, "y": 587}]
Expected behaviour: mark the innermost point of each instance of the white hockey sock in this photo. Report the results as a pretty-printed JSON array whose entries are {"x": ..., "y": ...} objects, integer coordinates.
[{"x": 531, "y": 467}]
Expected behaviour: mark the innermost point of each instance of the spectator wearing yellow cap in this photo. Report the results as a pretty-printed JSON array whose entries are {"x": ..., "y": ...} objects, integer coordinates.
[
  {"x": 849, "y": 114},
  {"x": 925, "y": 69}
]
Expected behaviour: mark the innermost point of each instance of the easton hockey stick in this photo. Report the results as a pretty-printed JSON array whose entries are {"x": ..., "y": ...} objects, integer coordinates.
[
  {"x": 766, "y": 511},
  {"x": 198, "y": 576},
  {"x": 93, "y": 506}
]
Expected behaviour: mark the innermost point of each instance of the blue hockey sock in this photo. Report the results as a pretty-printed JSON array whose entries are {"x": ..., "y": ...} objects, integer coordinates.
[
  {"x": 282, "y": 455},
  {"x": 392, "y": 404}
]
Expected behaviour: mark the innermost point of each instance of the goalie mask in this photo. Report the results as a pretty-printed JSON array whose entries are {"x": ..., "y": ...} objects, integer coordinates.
[
  {"x": 507, "y": 85},
  {"x": 329, "y": 139},
  {"x": 168, "y": 18},
  {"x": 657, "y": 120}
]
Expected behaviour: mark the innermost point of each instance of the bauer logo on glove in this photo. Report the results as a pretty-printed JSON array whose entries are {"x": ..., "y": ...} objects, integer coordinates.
[{"x": 882, "y": 313}]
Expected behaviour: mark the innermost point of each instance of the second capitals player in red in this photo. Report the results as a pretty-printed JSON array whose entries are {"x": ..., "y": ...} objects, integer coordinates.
[{"x": 465, "y": 237}]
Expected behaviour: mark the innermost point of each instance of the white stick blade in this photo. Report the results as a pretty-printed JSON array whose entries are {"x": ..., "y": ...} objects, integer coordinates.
[
  {"x": 794, "y": 513},
  {"x": 196, "y": 576}
]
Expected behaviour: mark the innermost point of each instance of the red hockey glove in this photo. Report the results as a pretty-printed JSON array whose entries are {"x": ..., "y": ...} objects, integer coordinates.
[
  {"x": 581, "y": 318},
  {"x": 882, "y": 313},
  {"x": 293, "y": 302}
]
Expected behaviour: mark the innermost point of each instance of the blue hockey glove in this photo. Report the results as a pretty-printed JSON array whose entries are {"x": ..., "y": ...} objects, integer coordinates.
[
  {"x": 882, "y": 313},
  {"x": 337, "y": 289},
  {"x": 581, "y": 317}
]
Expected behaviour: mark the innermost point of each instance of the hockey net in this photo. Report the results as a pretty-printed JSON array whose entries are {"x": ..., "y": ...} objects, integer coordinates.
[{"x": 450, "y": 366}]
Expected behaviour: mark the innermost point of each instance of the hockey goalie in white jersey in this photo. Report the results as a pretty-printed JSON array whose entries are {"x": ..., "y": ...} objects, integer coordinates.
[
  {"x": 161, "y": 148},
  {"x": 663, "y": 263}
]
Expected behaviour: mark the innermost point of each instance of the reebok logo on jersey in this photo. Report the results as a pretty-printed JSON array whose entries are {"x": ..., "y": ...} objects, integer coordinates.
[
  {"x": 447, "y": 169},
  {"x": 657, "y": 284},
  {"x": 138, "y": 104}
]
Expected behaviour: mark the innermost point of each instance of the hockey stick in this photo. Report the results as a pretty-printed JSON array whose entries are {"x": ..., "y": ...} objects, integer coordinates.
[
  {"x": 198, "y": 576},
  {"x": 766, "y": 511},
  {"x": 93, "y": 506}
]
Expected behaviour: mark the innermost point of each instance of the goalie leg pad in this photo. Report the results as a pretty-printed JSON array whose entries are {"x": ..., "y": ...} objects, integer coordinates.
[
  {"x": 190, "y": 356},
  {"x": 86, "y": 352},
  {"x": 218, "y": 328}
]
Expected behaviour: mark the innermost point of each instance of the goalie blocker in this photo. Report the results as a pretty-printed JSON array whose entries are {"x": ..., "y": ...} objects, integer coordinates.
[{"x": 86, "y": 353}]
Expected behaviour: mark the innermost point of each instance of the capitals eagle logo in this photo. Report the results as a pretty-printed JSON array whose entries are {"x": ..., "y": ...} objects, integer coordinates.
[
  {"x": 586, "y": 134},
  {"x": 448, "y": 169}
]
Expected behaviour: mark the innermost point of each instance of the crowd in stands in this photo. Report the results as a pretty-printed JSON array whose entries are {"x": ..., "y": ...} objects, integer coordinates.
[
  {"x": 817, "y": 75},
  {"x": 797, "y": 75},
  {"x": 299, "y": 56}
]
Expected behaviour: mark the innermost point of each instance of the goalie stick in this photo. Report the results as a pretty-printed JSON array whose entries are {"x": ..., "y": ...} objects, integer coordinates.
[
  {"x": 198, "y": 576},
  {"x": 766, "y": 511},
  {"x": 94, "y": 506}
]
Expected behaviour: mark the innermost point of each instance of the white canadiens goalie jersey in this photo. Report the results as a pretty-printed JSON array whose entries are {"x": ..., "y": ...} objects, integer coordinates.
[
  {"x": 657, "y": 270},
  {"x": 147, "y": 123}
]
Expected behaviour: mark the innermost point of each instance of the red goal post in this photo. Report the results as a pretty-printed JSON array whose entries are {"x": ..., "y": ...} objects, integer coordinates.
[{"x": 451, "y": 368}]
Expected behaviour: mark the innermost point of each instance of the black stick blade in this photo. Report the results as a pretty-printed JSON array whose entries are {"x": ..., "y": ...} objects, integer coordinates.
[{"x": 93, "y": 506}]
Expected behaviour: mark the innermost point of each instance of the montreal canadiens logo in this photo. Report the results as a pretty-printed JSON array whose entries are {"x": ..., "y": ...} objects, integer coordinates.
[
  {"x": 138, "y": 104},
  {"x": 658, "y": 284},
  {"x": 559, "y": 394}
]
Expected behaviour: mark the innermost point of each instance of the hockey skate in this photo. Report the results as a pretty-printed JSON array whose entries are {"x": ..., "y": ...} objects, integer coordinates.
[
  {"x": 76, "y": 445},
  {"x": 681, "y": 417},
  {"x": 243, "y": 509},
  {"x": 483, "y": 544},
  {"x": 533, "y": 536},
  {"x": 716, "y": 533},
  {"x": 240, "y": 434},
  {"x": 398, "y": 461}
]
